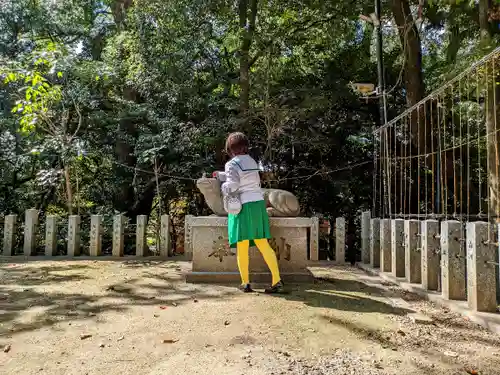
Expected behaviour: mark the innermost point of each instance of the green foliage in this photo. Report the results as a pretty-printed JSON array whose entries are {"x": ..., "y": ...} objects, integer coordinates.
[{"x": 124, "y": 95}]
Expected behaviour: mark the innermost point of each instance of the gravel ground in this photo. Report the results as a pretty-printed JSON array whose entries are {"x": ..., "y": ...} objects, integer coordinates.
[{"x": 141, "y": 318}]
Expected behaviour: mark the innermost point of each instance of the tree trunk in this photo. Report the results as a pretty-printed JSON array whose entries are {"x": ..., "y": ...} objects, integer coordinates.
[
  {"x": 119, "y": 9},
  {"x": 413, "y": 77},
  {"x": 420, "y": 130},
  {"x": 492, "y": 114},
  {"x": 484, "y": 25},
  {"x": 125, "y": 198},
  {"x": 69, "y": 191},
  {"x": 247, "y": 28}
]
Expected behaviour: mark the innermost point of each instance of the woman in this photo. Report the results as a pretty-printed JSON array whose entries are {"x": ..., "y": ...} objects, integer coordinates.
[{"x": 251, "y": 225}]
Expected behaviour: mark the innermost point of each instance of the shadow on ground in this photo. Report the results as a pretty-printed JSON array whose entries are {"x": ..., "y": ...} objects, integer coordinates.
[
  {"x": 28, "y": 276},
  {"x": 344, "y": 295},
  {"x": 427, "y": 345},
  {"x": 39, "y": 291}
]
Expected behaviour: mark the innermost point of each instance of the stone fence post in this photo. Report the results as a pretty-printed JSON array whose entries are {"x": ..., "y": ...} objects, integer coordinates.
[
  {"x": 385, "y": 245},
  {"x": 73, "y": 235},
  {"x": 314, "y": 240},
  {"x": 481, "y": 259},
  {"x": 340, "y": 240},
  {"x": 95, "y": 235},
  {"x": 50, "y": 235},
  {"x": 30, "y": 224},
  {"x": 9, "y": 234},
  {"x": 141, "y": 247},
  {"x": 397, "y": 248},
  {"x": 375, "y": 243},
  {"x": 453, "y": 261},
  {"x": 430, "y": 254},
  {"x": 413, "y": 257},
  {"x": 118, "y": 235},
  {"x": 365, "y": 236},
  {"x": 165, "y": 246}
]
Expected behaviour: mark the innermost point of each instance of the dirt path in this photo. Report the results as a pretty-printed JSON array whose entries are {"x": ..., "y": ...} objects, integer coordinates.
[{"x": 141, "y": 318}]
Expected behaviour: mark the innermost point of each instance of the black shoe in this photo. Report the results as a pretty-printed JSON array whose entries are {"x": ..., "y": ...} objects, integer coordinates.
[
  {"x": 246, "y": 288},
  {"x": 277, "y": 288}
]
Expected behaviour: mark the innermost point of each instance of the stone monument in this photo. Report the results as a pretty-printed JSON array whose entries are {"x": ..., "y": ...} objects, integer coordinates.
[{"x": 294, "y": 239}]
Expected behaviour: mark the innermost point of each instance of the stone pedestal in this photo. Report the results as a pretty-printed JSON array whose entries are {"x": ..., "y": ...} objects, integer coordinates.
[
  {"x": 385, "y": 245},
  {"x": 397, "y": 248},
  {"x": 214, "y": 261},
  {"x": 453, "y": 261},
  {"x": 375, "y": 243},
  {"x": 413, "y": 257}
]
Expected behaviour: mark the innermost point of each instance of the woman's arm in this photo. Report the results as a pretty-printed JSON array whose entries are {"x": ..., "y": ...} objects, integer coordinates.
[{"x": 232, "y": 183}]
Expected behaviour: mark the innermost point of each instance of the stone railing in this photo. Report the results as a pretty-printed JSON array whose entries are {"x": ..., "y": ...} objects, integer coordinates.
[
  {"x": 24, "y": 238},
  {"x": 456, "y": 260}
]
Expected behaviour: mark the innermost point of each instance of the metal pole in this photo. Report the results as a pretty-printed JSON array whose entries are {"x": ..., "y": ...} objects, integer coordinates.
[
  {"x": 380, "y": 62},
  {"x": 382, "y": 107}
]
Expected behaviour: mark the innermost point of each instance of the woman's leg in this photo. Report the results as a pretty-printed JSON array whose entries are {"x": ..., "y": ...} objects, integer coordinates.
[
  {"x": 243, "y": 260},
  {"x": 270, "y": 257}
]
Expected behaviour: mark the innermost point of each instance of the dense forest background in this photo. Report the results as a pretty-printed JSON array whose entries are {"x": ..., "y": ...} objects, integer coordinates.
[{"x": 116, "y": 106}]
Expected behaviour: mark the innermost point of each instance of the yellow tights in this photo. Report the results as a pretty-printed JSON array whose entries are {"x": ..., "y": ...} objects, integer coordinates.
[{"x": 268, "y": 254}]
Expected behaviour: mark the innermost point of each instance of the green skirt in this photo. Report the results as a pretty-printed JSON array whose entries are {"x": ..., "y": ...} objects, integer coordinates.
[{"x": 252, "y": 223}]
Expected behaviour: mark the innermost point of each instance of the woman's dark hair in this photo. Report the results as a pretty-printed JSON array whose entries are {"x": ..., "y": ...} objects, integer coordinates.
[{"x": 237, "y": 144}]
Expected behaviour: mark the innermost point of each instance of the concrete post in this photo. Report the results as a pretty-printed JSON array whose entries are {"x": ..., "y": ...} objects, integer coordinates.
[
  {"x": 413, "y": 256},
  {"x": 453, "y": 261},
  {"x": 365, "y": 236},
  {"x": 430, "y": 254},
  {"x": 165, "y": 246},
  {"x": 314, "y": 239},
  {"x": 141, "y": 248},
  {"x": 9, "y": 234},
  {"x": 340, "y": 240},
  {"x": 397, "y": 247},
  {"x": 30, "y": 223},
  {"x": 74, "y": 235},
  {"x": 50, "y": 235},
  {"x": 95, "y": 248},
  {"x": 118, "y": 235},
  {"x": 375, "y": 243},
  {"x": 481, "y": 280},
  {"x": 385, "y": 245}
]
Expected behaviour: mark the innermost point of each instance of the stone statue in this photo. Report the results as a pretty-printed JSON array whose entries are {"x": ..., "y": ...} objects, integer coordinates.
[{"x": 280, "y": 203}]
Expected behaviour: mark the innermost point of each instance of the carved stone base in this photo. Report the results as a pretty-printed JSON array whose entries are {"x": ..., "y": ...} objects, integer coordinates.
[{"x": 207, "y": 241}]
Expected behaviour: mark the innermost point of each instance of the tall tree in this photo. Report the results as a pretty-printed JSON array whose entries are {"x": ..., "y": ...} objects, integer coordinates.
[
  {"x": 488, "y": 22},
  {"x": 248, "y": 16}
]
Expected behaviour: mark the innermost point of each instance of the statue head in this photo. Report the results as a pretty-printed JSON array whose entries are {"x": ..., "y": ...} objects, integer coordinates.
[{"x": 210, "y": 188}]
